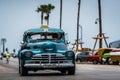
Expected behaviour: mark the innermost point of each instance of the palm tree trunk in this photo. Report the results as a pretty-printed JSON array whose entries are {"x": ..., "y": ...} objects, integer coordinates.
[
  {"x": 3, "y": 46},
  {"x": 41, "y": 18},
  {"x": 60, "y": 14},
  {"x": 48, "y": 19}
]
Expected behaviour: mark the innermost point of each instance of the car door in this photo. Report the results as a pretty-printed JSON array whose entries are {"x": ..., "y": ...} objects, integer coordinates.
[{"x": 84, "y": 56}]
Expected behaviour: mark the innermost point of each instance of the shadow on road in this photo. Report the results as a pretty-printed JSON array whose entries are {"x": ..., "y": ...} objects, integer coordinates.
[{"x": 46, "y": 73}]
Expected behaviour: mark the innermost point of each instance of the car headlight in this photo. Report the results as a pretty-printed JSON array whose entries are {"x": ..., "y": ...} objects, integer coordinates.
[
  {"x": 70, "y": 54},
  {"x": 28, "y": 54}
]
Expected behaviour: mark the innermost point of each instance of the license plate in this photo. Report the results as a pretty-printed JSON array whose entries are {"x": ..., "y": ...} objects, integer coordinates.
[{"x": 49, "y": 65}]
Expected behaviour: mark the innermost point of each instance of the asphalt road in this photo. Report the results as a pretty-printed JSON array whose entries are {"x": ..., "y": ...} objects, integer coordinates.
[{"x": 83, "y": 72}]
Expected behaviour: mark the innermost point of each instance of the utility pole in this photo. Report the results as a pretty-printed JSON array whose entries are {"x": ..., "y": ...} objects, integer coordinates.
[
  {"x": 60, "y": 14},
  {"x": 100, "y": 23},
  {"x": 3, "y": 41},
  {"x": 101, "y": 35},
  {"x": 81, "y": 41},
  {"x": 77, "y": 43}
]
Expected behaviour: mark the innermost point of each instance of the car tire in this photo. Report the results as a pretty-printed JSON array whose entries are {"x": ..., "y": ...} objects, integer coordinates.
[
  {"x": 23, "y": 71},
  {"x": 63, "y": 71},
  {"x": 94, "y": 61},
  {"x": 1, "y": 58},
  {"x": 76, "y": 59},
  {"x": 71, "y": 71},
  {"x": 115, "y": 63}
]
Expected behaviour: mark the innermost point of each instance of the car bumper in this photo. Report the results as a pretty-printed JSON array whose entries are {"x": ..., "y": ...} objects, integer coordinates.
[{"x": 49, "y": 65}]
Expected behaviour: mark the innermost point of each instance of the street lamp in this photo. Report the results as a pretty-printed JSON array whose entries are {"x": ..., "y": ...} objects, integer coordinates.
[{"x": 96, "y": 21}]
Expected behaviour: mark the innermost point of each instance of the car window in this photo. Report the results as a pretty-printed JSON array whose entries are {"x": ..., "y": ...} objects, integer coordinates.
[
  {"x": 85, "y": 53},
  {"x": 45, "y": 36}
]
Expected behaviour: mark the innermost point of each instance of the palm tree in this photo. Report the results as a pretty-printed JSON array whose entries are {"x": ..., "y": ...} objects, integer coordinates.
[
  {"x": 45, "y": 9},
  {"x": 49, "y": 8},
  {"x": 42, "y": 9},
  {"x": 3, "y": 41}
]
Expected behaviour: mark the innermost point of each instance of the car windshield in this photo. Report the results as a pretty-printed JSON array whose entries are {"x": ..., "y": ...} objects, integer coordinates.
[
  {"x": 36, "y": 37},
  {"x": 85, "y": 53}
]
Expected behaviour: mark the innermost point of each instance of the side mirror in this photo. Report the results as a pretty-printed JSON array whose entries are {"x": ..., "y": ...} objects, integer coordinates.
[
  {"x": 21, "y": 42},
  {"x": 68, "y": 42}
]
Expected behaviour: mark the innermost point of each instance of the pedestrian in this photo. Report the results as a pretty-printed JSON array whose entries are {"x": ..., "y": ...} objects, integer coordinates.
[
  {"x": 106, "y": 56},
  {"x": 7, "y": 54},
  {"x": 14, "y": 53}
]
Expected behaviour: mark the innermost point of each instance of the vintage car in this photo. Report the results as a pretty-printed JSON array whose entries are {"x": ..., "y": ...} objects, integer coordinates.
[
  {"x": 82, "y": 56},
  {"x": 94, "y": 58},
  {"x": 115, "y": 56},
  {"x": 86, "y": 56},
  {"x": 40, "y": 50},
  {"x": 1, "y": 57},
  {"x": 98, "y": 57}
]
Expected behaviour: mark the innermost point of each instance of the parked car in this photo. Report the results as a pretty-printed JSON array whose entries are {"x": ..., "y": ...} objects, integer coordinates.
[
  {"x": 14, "y": 55},
  {"x": 115, "y": 56},
  {"x": 1, "y": 57},
  {"x": 82, "y": 56},
  {"x": 98, "y": 56},
  {"x": 94, "y": 58}
]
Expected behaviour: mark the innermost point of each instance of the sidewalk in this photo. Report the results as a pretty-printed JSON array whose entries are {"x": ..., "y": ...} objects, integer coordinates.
[{"x": 13, "y": 61}]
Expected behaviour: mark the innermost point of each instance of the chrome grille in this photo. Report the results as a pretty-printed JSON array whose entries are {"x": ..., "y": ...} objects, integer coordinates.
[{"x": 48, "y": 58}]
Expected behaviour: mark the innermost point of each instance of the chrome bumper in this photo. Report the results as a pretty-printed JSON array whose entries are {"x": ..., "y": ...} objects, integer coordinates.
[{"x": 50, "y": 65}]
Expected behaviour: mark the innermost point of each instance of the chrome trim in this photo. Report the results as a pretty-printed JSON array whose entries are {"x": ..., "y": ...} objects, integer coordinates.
[
  {"x": 48, "y": 57},
  {"x": 48, "y": 60},
  {"x": 61, "y": 65}
]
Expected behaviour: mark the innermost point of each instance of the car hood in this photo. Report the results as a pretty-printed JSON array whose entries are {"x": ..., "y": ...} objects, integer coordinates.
[{"x": 45, "y": 47}]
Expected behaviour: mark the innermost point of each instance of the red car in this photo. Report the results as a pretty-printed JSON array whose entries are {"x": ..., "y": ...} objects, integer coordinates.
[{"x": 93, "y": 58}]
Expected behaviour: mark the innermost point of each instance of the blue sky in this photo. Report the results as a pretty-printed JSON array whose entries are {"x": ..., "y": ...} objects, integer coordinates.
[{"x": 16, "y": 16}]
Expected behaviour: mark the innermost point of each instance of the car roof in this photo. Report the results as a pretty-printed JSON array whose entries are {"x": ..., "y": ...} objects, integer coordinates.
[{"x": 37, "y": 30}]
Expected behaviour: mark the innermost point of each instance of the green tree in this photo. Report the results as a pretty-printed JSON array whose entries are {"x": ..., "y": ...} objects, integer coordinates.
[
  {"x": 49, "y": 8},
  {"x": 42, "y": 9},
  {"x": 45, "y": 9}
]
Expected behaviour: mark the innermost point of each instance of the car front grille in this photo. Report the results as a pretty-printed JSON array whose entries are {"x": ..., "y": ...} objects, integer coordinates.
[{"x": 48, "y": 58}]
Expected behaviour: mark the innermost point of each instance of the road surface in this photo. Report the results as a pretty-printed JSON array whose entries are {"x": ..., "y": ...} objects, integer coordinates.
[{"x": 83, "y": 72}]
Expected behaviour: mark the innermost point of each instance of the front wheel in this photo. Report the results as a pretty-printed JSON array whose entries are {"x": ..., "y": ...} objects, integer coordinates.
[
  {"x": 23, "y": 71},
  {"x": 63, "y": 71},
  {"x": 1, "y": 58},
  {"x": 71, "y": 71}
]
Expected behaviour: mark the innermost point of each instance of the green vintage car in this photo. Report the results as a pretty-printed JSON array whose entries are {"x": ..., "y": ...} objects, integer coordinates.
[{"x": 45, "y": 48}]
